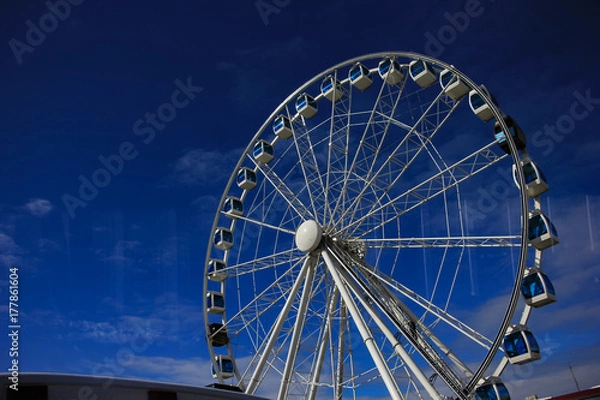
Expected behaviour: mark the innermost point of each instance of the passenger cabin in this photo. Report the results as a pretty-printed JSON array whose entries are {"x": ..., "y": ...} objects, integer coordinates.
[
  {"x": 216, "y": 270},
  {"x": 492, "y": 389},
  {"x": 233, "y": 207},
  {"x": 535, "y": 181},
  {"x": 542, "y": 233},
  {"x": 282, "y": 127},
  {"x": 263, "y": 152},
  {"x": 422, "y": 73},
  {"x": 515, "y": 131},
  {"x": 479, "y": 106},
  {"x": 332, "y": 89},
  {"x": 537, "y": 289},
  {"x": 215, "y": 303},
  {"x": 217, "y": 334},
  {"x": 452, "y": 85},
  {"x": 360, "y": 77},
  {"x": 246, "y": 179},
  {"x": 389, "y": 70},
  {"x": 520, "y": 346},
  {"x": 306, "y": 105},
  {"x": 224, "y": 366},
  {"x": 223, "y": 239}
]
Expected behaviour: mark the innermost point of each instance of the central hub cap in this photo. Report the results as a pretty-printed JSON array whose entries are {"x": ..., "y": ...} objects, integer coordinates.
[{"x": 308, "y": 236}]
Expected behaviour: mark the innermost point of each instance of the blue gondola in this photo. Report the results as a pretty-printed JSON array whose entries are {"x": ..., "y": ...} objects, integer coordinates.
[
  {"x": 542, "y": 233},
  {"x": 492, "y": 389},
  {"x": 233, "y": 207},
  {"x": 223, "y": 239},
  {"x": 537, "y": 289},
  {"x": 216, "y": 270},
  {"x": 360, "y": 77},
  {"x": 452, "y": 85},
  {"x": 520, "y": 346},
  {"x": 246, "y": 178},
  {"x": 479, "y": 105},
  {"x": 332, "y": 89},
  {"x": 306, "y": 105},
  {"x": 515, "y": 131},
  {"x": 535, "y": 181},
  {"x": 282, "y": 127},
  {"x": 263, "y": 152},
  {"x": 389, "y": 70},
  {"x": 422, "y": 73},
  {"x": 217, "y": 335},
  {"x": 224, "y": 366},
  {"x": 215, "y": 302}
]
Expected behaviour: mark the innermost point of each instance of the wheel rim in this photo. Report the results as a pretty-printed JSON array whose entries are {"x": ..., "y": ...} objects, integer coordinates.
[{"x": 369, "y": 168}]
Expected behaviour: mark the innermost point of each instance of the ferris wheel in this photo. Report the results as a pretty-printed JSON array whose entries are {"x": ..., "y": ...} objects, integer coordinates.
[{"x": 376, "y": 238}]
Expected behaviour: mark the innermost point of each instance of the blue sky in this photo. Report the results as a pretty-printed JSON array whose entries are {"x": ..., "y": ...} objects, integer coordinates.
[{"x": 121, "y": 271}]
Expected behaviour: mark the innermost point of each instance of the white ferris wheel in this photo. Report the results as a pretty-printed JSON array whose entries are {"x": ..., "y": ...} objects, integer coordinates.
[{"x": 353, "y": 253}]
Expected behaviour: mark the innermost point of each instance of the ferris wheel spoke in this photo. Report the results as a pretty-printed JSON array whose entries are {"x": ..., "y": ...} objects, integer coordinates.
[
  {"x": 365, "y": 332},
  {"x": 432, "y": 187},
  {"x": 442, "y": 242},
  {"x": 322, "y": 345},
  {"x": 263, "y": 301},
  {"x": 430, "y": 307},
  {"x": 337, "y": 155},
  {"x": 285, "y": 192},
  {"x": 265, "y": 225},
  {"x": 277, "y": 326},
  {"x": 297, "y": 332},
  {"x": 361, "y": 162},
  {"x": 337, "y": 266},
  {"x": 418, "y": 136},
  {"x": 287, "y": 258},
  {"x": 308, "y": 164}
]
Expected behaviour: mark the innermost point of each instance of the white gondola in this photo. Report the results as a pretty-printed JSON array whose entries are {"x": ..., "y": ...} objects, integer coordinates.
[
  {"x": 360, "y": 77},
  {"x": 332, "y": 89},
  {"x": 515, "y": 131},
  {"x": 422, "y": 73},
  {"x": 452, "y": 85},
  {"x": 246, "y": 178},
  {"x": 223, "y": 239},
  {"x": 542, "y": 233},
  {"x": 215, "y": 302},
  {"x": 224, "y": 367},
  {"x": 263, "y": 152},
  {"x": 216, "y": 270},
  {"x": 306, "y": 105},
  {"x": 233, "y": 207},
  {"x": 282, "y": 127},
  {"x": 537, "y": 289},
  {"x": 390, "y": 71},
  {"x": 520, "y": 346},
  {"x": 492, "y": 388},
  {"x": 479, "y": 106},
  {"x": 535, "y": 181},
  {"x": 217, "y": 334}
]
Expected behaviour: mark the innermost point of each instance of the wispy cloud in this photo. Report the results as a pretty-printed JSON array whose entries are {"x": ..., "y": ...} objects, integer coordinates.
[
  {"x": 38, "y": 207},
  {"x": 10, "y": 251},
  {"x": 203, "y": 167}
]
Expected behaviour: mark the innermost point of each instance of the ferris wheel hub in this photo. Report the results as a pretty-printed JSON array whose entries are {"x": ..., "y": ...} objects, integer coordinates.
[{"x": 308, "y": 236}]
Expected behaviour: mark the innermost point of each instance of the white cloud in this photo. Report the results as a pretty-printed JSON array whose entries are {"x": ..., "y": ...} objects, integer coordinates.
[
  {"x": 38, "y": 207},
  {"x": 9, "y": 251}
]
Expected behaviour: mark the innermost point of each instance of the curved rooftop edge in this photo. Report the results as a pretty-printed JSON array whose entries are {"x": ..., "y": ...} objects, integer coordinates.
[{"x": 56, "y": 386}]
